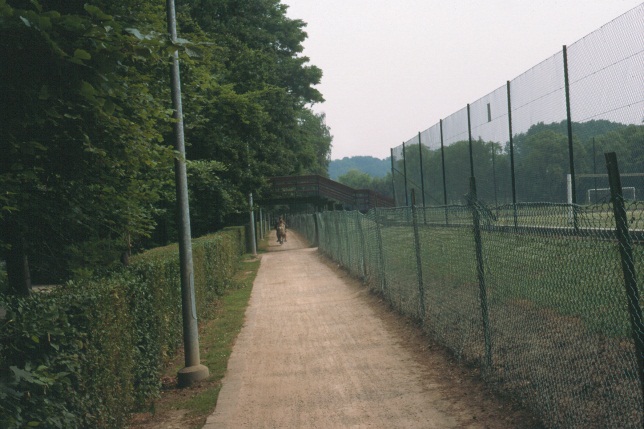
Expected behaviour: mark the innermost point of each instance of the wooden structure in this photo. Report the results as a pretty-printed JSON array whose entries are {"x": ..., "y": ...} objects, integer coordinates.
[{"x": 322, "y": 194}]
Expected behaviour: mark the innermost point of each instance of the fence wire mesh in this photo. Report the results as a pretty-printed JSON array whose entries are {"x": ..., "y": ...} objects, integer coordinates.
[
  {"x": 541, "y": 136},
  {"x": 526, "y": 277},
  {"x": 553, "y": 325}
]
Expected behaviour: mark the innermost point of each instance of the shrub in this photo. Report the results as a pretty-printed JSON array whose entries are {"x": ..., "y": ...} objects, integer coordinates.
[{"x": 86, "y": 354}]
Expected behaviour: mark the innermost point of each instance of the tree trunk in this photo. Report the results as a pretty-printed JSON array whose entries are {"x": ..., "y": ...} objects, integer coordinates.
[{"x": 18, "y": 275}]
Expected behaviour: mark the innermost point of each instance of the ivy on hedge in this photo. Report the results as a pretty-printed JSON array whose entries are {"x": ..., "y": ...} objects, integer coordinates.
[{"x": 87, "y": 354}]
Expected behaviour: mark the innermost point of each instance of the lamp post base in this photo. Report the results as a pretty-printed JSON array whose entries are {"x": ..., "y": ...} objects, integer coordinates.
[{"x": 192, "y": 374}]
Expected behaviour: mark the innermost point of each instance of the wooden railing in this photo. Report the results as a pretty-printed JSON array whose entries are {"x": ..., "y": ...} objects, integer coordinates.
[{"x": 322, "y": 191}]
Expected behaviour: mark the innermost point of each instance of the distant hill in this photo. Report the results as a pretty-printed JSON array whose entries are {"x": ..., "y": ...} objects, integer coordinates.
[{"x": 374, "y": 167}]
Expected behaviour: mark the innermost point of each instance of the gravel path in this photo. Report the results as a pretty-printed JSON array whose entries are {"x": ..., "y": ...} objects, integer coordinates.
[{"x": 318, "y": 350}]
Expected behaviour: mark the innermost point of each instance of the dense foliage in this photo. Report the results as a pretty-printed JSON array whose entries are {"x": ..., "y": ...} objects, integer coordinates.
[
  {"x": 358, "y": 179},
  {"x": 367, "y": 164},
  {"x": 86, "y": 152},
  {"x": 84, "y": 355},
  {"x": 541, "y": 160}
]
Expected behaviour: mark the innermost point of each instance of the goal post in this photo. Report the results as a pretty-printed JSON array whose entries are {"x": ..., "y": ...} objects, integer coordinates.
[
  {"x": 594, "y": 188},
  {"x": 602, "y": 195}
]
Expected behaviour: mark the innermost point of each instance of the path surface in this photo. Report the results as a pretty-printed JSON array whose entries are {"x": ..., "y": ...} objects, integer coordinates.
[{"x": 318, "y": 350}]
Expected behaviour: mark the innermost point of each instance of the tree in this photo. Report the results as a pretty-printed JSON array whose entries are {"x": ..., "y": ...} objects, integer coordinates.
[
  {"x": 86, "y": 158},
  {"x": 361, "y": 180},
  {"x": 356, "y": 179},
  {"x": 248, "y": 98},
  {"x": 82, "y": 160}
]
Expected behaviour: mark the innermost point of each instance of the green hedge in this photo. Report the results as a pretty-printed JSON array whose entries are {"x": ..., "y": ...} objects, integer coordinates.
[{"x": 85, "y": 355}]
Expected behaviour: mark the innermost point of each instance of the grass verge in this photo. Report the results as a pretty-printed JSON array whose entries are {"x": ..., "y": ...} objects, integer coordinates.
[{"x": 190, "y": 407}]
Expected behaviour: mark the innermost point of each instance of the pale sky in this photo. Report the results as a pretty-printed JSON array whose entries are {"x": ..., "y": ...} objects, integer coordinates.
[{"x": 393, "y": 68}]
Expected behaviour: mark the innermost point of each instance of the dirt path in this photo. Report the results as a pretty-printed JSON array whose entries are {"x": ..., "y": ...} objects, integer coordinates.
[{"x": 318, "y": 350}]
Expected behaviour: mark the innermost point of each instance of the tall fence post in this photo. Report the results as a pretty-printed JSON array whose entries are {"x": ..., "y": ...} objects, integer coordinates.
[
  {"x": 316, "y": 237},
  {"x": 381, "y": 256},
  {"x": 480, "y": 271},
  {"x": 628, "y": 265},
  {"x": 469, "y": 139},
  {"x": 253, "y": 243},
  {"x": 571, "y": 156},
  {"x": 393, "y": 180},
  {"x": 338, "y": 251},
  {"x": 444, "y": 175},
  {"x": 363, "y": 260},
  {"x": 512, "y": 176},
  {"x": 405, "y": 176},
  {"x": 419, "y": 260},
  {"x": 422, "y": 176}
]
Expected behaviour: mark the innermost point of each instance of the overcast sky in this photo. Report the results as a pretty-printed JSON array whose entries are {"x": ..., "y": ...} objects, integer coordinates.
[{"x": 393, "y": 68}]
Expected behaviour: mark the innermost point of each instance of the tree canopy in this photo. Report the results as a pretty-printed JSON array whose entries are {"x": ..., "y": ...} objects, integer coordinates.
[
  {"x": 85, "y": 138},
  {"x": 541, "y": 157}
]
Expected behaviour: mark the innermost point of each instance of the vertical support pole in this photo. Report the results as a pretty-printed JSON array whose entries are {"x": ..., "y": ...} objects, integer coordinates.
[
  {"x": 393, "y": 177},
  {"x": 405, "y": 174},
  {"x": 480, "y": 270},
  {"x": 571, "y": 157},
  {"x": 512, "y": 175},
  {"x": 496, "y": 199},
  {"x": 469, "y": 138},
  {"x": 193, "y": 370},
  {"x": 253, "y": 239},
  {"x": 363, "y": 259},
  {"x": 422, "y": 176},
  {"x": 594, "y": 169},
  {"x": 338, "y": 252},
  {"x": 316, "y": 237},
  {"x": 569, "y": 199},
  {"x": 349, "y": 242},
  {"x": 628, "y": 265},
  {"x": 381, "y": 256},
  {"x": 419, "y": 260},
  {"x": 444, "y": 175}
]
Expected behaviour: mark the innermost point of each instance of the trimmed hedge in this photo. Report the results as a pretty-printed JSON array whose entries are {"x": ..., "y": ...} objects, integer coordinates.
[{"x": 87, "y": 354}]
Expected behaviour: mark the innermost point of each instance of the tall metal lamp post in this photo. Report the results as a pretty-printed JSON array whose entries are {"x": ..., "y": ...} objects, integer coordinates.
[{"x": 193, "y": 371}]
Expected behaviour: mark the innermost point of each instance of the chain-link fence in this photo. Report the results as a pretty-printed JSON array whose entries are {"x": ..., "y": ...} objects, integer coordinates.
[
  {"x": 541, "y": 310},
  {"x": 541, "y": 136},
  {"x": 510, "y": 255}
]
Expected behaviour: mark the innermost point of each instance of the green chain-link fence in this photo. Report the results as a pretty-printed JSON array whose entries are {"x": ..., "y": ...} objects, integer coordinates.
[
  {"x": 545, "y": 297},
  {"x": 540, "y": 307}
]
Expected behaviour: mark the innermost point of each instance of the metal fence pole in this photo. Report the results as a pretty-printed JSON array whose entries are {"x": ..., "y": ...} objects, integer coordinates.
[
  {"x": 405, "y": 174},
  {"x": 469, "y": 139},
  {"x": 422, "y": 176},
  {"x": 349, "y": 261},
  {"x": 419, "y": 259},
  {"x": 628, "y": 266},
  {"x": 571, "y": 157},
  {"x": 512, "y": 175},
  {"x": 362, "y": 259},
  {"x": 253, "y": 243},
  {"x": 393, "y": 179},
  {"x": 444, "y": 175},
  {"x": 381, "y": 256},
  {"x": 480, "y": 270}
]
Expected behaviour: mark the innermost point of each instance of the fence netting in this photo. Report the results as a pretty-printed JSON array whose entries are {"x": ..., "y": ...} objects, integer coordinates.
[
  {"x": 541, "y": 136},
  {"x": 540, "y": 307},
  {"x": 526, "y": 277}
]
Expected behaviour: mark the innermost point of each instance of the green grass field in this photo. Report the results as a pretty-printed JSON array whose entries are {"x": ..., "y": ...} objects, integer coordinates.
[{"x": 578, "y": 277}]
